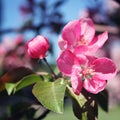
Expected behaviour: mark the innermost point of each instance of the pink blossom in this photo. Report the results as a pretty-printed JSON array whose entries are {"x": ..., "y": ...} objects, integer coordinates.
[
  {"x": 79, "y": 37},
  {"x": 2, "y": 50},
  {"x": 37, "y": 47},
  {"x": 19, "y": 39},
  {"x": 86, "y": 71},
  {"x": 12, "y": 61}
]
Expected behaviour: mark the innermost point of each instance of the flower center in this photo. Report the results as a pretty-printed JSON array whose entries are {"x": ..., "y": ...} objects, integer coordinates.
[
  {"x": 82, "y": 41},
  {"x": 86, "y": 73}
]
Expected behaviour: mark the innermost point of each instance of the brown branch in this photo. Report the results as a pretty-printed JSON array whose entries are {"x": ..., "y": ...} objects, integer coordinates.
[
  {"x": 22, "y": 29},
  {"x": 99, "y": 28},
  {"x": 110, "y": 29}
]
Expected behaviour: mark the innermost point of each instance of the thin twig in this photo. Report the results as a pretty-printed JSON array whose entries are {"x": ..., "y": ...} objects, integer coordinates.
[{"x": 54, "y": 75}]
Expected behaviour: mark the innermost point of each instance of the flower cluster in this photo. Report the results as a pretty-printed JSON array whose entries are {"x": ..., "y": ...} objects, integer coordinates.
[{"x": 78, "y": 43}]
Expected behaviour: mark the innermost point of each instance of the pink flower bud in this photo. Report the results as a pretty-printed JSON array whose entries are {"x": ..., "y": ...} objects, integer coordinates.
[{"x": 37, "y": 47}]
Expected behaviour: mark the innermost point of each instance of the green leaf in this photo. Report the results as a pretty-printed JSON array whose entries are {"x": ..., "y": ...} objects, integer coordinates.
[
  {"x": 48, "y": 78},
  {"x": 51, "y": 94},
  {"x": 84, "y": 105},
  {"x": 91, "y": 105},
  {"x": 26, "y": 81},
  {"x": 14, "y": 76},
  {"x": 78, "y": 103},
  {"x": 102, "y": 99},
  {"x": 10, "y": 87}
]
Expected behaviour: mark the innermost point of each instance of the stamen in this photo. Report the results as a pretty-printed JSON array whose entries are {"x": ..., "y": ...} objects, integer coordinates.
[
  {"x": 86, "y": 73},
  {"x": 82, "y": 41}
]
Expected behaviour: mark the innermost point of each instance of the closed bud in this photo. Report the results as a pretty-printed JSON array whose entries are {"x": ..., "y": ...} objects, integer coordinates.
[{"x": 37, "y": 47}]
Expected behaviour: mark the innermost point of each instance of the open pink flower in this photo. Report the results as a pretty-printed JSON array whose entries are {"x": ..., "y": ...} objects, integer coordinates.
[
  {"x": 86, "y": 71},
  {"x": 38, "y": 47},
  {"x": 79, "y": 37}
]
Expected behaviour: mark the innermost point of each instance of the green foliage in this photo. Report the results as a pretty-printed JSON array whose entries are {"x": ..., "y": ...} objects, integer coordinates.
[
  {"x": 51, "y": 94},
  {"x": 84, "y": 105},
  {"x": 10, "y": 87},
  {"x": 26, "y": 81},
  {"x": 113, "y": 114},
  {"x": 14, "y": 76},
  {"x": 102, "y": 99}
]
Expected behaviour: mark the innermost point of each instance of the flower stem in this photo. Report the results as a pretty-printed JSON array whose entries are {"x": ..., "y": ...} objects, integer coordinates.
[{"x": 54, "y": 75}]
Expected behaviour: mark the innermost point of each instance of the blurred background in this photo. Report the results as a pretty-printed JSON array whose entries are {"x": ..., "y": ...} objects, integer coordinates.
[{"x": 21, "y": 20}]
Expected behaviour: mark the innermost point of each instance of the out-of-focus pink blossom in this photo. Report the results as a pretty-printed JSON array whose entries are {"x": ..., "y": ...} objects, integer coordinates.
[
  {"x": 12, "y": 61},
  {"x": 79, "y": 37},
  {"x": 86, "y": 71},
  {"x": 2, "y": 55},
  {"x": 8, "y": 43},
  {"x": 12, "y": 43},
  {"x": 19, "y": 39},
  {"x": 37, "y": 47},
  {"x": 111, "y": 6},
  {"x": 2, "y": 50}
]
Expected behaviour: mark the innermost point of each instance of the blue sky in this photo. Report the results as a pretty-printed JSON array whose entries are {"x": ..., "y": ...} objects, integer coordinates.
[
  {"x": 12, "y": 16},
  {"x": 11, "y": 13}
]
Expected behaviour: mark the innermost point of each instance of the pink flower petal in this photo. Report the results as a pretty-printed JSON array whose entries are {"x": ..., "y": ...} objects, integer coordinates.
[
  {"x": 62, "y": 43},
  {"x": 90, "y": 59},
  {"x": 81, "y": 49},
  {"x": 94, "y": 85},
  {"x": 82, "y": 59},
  {"x": 87, "y": 29},
  {"x": 71, "y": 32},
  {"x": 104, "y": 68},
  {"x": 66, "y": 61},
  {"x": 76, "y": 81},
  {"x": 97, "y": 43}
]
